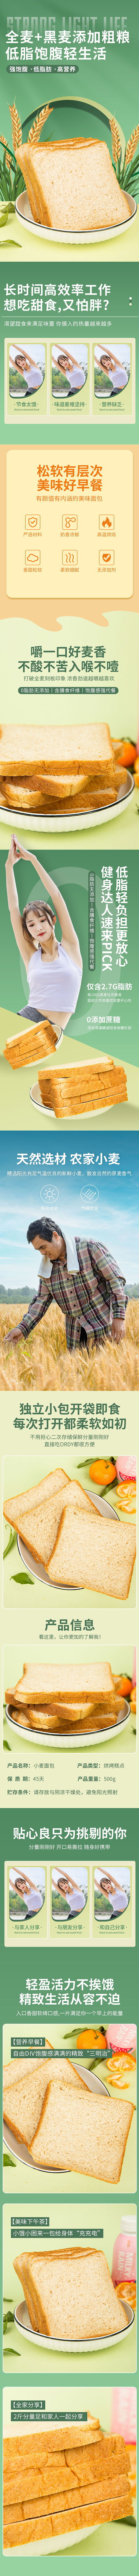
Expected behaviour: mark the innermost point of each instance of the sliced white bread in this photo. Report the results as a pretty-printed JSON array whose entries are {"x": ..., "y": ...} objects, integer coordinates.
[
  {"x": 72, "y": 185},
  {"x": 82, "y": 2134},
  {"x": 70, "y": 2294},
  {"x": 97, "y": 1556},
  {"x": 37, "y": 1517},
  {"x": 25, "y": 2088}
]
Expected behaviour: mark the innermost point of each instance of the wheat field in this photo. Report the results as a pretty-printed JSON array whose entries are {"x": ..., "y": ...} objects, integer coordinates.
[{"x": 43, "y": 1361}]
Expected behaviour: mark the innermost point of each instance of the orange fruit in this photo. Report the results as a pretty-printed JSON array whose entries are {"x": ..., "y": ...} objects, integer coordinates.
[
  {"x": 126, "y": 753},
  {"x": 103, "y": 1471},
  {"x": 124, "y": 1685},
  {"x": 90, "y": 2039}
]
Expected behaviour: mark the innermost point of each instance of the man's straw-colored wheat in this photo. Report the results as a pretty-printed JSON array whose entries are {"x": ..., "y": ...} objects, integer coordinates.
[{"x": 43, "y": 1361}]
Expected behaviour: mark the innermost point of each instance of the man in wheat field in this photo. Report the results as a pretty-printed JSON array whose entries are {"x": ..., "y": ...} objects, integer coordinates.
[{"x": 83, "y": 1279}]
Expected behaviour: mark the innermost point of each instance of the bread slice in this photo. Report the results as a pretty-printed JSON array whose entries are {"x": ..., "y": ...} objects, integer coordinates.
[
  {"x": 70, "y": 2294},
  {"x": 97, "y": 1555},
  {"x": 98, "y": 1084},
  {"x": 23, "y": 2097},
  {"x": 72, "y": 186},
  {"x": 59, "y": 1710},
  {"x": 29, "y": 1043},
  {"x": 57, "y": 769},
  {"x": 37, "y": 1514},
  {"x": 35, "y": 1685},
  {"x": 24, "y": 2094},
  {"x": 42, "y": 1493},
  {"x": 82, "y": 2135}
]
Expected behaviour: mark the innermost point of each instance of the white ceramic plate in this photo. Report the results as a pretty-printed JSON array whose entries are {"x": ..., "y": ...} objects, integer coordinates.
[
  {"x": 46, "y": 234},
  {"x": 70, "y": 822},
  {"x": 94, "y": 1737},
  {"x": 52, "y": 2343}
]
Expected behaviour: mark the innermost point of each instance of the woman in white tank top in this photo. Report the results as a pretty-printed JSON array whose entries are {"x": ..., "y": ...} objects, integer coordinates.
[{"x": 53, "y": 966}]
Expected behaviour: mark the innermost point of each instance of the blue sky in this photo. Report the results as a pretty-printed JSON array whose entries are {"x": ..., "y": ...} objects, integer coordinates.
[{"x": 99, "y": 1196}]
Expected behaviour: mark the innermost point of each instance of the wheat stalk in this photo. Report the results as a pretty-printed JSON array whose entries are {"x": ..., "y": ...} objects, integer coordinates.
[
  {"x": 38, "y": 121},
  {"x": 131, "y": 146},
  {"x": 16, "y": 129},
  {"x": 115, "y": 139},
  {"x": 5, "y": 149}
]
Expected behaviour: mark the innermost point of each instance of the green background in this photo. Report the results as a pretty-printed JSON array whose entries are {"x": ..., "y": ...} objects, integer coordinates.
[{"x": 120, "y": 321}]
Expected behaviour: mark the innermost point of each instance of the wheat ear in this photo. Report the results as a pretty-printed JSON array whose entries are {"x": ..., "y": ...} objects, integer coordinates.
[
  {"x": 5, "y": 149},
  {"x": 16, "y": 129},
  {"x": 131, "y": 146},
  {"x": 38, "y": 121},
  {"x": 115, "y": 139}
]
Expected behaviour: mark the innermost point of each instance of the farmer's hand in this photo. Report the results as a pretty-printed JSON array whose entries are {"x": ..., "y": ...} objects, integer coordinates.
[{"x": 118, "y": 1328}]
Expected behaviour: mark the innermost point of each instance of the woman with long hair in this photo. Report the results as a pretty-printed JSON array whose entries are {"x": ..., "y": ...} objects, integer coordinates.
[{"x": 53, "y": 966}]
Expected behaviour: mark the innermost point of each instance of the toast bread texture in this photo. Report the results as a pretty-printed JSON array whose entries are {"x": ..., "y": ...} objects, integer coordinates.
[
  {"x": 55, "y": 2485},
  {"x": 82, "y": 2135},
  {"x": 99, "y": 1556},
  {"x": 29, "y": 1043},
  {"x": 72, "y": 185},
  {"x": 95, "y": 1084},
  {"x": 37, "y": 1514},
  {"x": 70, "y": 2294},
  {"x": 54, "y": 769}
]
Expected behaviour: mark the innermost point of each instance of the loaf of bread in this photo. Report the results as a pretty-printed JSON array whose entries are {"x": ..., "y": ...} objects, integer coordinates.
[
  {"x": 57, "y": 769},
  {"x": 70, "y": 2295},
  {"x": 75, "y": 1092},
  {"x": 61, "y": 2483},
  {"x": 72, "y": 186}
]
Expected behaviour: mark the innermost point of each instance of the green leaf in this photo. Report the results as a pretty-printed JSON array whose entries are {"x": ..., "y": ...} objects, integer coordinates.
[
  {"x": 8, "y": 2320},
  {"x": 9, "y": 2160},
  {"x": 4, "y": 218},
  {"x": 10, "y": 1543}
]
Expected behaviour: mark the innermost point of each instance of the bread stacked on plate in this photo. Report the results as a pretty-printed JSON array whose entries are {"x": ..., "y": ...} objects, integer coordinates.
[
  {"x": 51, "y": 2110},
  {"x": 82, "y": 1088},
  {"x": 69, "y": 2294},
  {"x": 69, "y": 1541},
  {"x": 57, "y": 770},
  {"x": 58, "y": 1707}
]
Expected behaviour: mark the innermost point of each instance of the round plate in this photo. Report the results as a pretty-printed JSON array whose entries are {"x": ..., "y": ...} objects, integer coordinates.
[
  {"x": 35, "y": 1095},
  {"x": 71, "y": 822},
  {"x": 109, "y": 233},
  {"x": 94, "y": 1736},
  {"x": 53, "y": 2343},
  {"x": 22, "y": 2152}
]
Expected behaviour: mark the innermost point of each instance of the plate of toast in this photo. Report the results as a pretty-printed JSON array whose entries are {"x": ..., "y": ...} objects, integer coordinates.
[{"x": 55, "y": 2343}]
